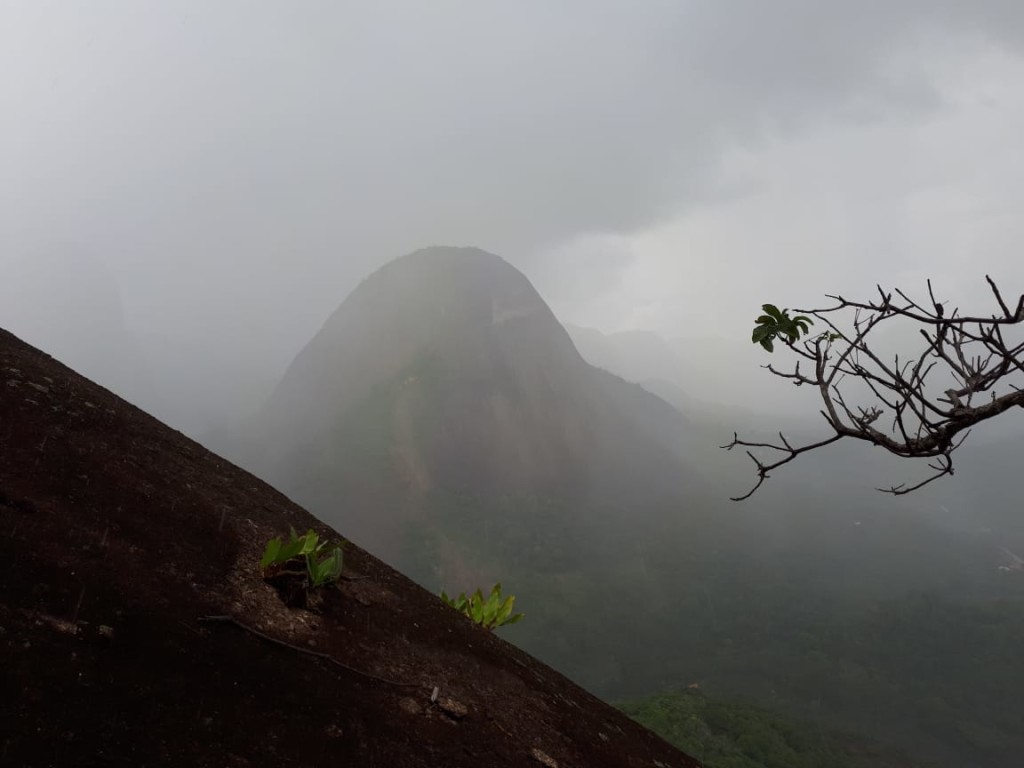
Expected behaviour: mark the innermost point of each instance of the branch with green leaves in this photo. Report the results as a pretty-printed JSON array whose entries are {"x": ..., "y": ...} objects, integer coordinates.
[
  {"x": 899, "y": 404},
  {"x": 777, "y": 324}
]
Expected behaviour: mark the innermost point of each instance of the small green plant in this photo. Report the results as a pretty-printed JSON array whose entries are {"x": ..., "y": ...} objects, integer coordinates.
[
  {"x": 325, "y": 570},
  {"x": 322, "y": 559},
  {"x": 776, "y": 323},
  {"x": 489, "y": 613}
]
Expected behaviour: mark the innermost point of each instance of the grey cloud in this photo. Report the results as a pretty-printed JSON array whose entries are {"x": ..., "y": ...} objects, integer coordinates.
[
  {"x": 461, "y": 122},
  {"x": 240, "y": 166}
]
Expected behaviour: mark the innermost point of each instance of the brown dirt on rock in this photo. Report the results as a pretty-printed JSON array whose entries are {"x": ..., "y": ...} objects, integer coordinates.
[{"x": 119, "y": 538}]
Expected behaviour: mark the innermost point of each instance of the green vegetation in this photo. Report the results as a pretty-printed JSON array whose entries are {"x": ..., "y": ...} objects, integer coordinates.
[
  {"x": 728, "y": 735},
  {"x": 778, "y": 324},
  {"x": 776, "y": 610},
  {"x": 323, "y": 561},
  {"x": 489, "y": 613}
]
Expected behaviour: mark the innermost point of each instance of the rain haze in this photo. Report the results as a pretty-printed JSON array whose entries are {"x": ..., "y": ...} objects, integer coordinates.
[
  {"x": 474, "y": 284},
  {"x": 238, "y": 168}
]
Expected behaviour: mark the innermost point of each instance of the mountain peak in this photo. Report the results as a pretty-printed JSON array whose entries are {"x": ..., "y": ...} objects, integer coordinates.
[
  {"x": 450, "y": 278},
  {"x": 456, "y": 255},
  {"x": 465, "y": 309},
  {"x": 447, "y": 373}
]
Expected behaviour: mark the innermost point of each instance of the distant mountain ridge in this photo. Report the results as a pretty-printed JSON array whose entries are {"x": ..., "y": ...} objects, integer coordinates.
[{"x": 679, "y": 371}]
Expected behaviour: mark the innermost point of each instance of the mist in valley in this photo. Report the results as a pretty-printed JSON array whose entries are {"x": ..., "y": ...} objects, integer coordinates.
[{"x": 475, "y": 285}]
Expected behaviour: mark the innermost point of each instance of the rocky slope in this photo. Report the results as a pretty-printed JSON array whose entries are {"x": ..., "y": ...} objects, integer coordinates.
[{"x": 135, "y": 628}]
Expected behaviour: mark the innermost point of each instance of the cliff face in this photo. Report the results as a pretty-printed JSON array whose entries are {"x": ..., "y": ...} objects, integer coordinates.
[{"x": 122, "y": 538}]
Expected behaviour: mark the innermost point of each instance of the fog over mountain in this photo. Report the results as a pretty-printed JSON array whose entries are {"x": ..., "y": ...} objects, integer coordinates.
[
  {"x": 445, "y": 373},
  {"x": 982, "y": 498},
  {"x": 238, "y": 168}
]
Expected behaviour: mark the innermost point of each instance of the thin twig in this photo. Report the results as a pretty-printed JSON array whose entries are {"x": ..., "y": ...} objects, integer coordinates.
[
  {"x": 762, "y": 468},
  {"x": 300, "y": 649}
]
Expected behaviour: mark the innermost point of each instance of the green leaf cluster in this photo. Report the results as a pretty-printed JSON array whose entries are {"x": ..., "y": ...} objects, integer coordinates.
[
  {"x": 776, "y": 323},
  {"x": 323, "y": 560},
  {"x": 490, "y": 612}
]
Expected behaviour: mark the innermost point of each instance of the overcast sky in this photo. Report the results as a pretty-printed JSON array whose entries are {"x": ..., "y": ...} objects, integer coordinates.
[{"x": 239, "y": 166}]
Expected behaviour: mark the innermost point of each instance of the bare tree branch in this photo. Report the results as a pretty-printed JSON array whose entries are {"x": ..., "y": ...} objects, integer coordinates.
[
  {"x": 927, "y": 418},
  {"x": 762, "y": 468}
]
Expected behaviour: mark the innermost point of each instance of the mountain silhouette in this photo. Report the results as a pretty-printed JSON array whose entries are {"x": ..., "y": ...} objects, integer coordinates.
[{"x": 446, "y": 373}]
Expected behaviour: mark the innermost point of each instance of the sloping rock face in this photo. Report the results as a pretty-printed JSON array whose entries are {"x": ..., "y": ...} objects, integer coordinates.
[{"x": 135, "y": 628}]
